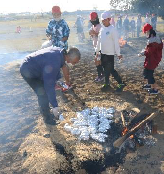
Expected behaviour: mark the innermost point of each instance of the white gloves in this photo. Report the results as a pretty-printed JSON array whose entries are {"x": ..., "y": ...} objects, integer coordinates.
[
  {"x": 141, "y": 53},
  {"x": 56, "y": 112}
]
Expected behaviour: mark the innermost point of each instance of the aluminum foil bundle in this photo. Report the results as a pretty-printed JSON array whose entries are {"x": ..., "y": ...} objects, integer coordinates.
[
  {"x": 92, "y": 123},
  {"x": 73, "y": 120},
  {"x": 99, "y": 137},
  {"x": 75, "y": 131},
  {"x": 82, "y": 115},
  {"x": 111, "y": 111},
  {"x": 67, "y": 127},
  {"x": 84, "y": 134}
]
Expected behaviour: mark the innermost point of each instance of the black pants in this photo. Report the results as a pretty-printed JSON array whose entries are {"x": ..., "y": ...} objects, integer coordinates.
[
  {"x": 38, "y": 86},
  {"x": 108, "y": 65},
  {"x": 100, "y": 70},
  {"x": 148, "y": 74},
  {"x": 138, "y": 31}
]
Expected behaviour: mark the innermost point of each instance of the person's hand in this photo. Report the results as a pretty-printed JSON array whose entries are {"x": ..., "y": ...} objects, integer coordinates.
[
  {"x": 66, "y": 87},
  {"x": 120, "y": 57},
  {"x": 139, "y": 55},
  {"x": 92, "y": 32},
  {"x": 97, "y": 61},
  {"x": 49, "y": 37},
  {"x": 56, "y": 112}
]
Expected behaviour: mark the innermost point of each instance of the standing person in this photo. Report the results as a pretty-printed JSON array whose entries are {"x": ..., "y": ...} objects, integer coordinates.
[
  {"x": 133, "y": 26},
  {"x": 112, "y": 20},
  {"x": 94, "y": 31},
  {"x": 41, "y": 70},
  {"x": 126, "y": 27},
  {"x": 80, "y": 28},
  {"x": 109, "y": 44},
  {"x": 154, "y": 21},
  {"x": 58, "y": 30},
  {"x": 153, "y": 53},
  {"x": 139, "y": 24},
  {"x": 119, "y": 25},
  {"x": 147, "y": 19}
]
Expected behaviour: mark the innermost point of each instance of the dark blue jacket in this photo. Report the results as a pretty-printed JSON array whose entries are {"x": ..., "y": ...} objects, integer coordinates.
[{"x": 45, "y": 65}]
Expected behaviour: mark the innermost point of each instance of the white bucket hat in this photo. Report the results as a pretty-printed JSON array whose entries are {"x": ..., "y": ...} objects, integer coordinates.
[{"x": 105, "y": 15}]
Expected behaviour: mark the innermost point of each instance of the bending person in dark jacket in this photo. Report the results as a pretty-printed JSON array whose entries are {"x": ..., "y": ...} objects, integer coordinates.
[
  {"x": 153, "y": 53},
  {"x": 41, "y": 70}
]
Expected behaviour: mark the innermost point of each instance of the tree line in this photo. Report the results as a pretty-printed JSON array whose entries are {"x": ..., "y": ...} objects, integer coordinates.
[{"x": 140, "y": 6}]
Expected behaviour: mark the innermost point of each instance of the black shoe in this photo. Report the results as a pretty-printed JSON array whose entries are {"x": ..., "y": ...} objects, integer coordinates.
[
  {"x": 105, "y": 88},
  {"x": 147, "y": 86},
  {"x": 153, "y": 91},
  {"x": 120, "y": 87}
]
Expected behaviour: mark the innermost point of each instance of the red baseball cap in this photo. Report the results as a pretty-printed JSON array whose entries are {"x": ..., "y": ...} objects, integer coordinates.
[
  {"x": 56, "y": 9},
  {"x": 146, "y": 28},
  {"x": 93, "y": 16}
]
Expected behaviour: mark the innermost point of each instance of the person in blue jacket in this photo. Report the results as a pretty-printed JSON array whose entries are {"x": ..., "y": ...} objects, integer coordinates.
[
  {"x": 58, "y": 30},
  {"x": 41, "y": 70}
]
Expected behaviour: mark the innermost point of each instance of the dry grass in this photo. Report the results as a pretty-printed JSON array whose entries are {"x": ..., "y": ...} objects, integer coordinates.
[{"x": 29, "y": 41}]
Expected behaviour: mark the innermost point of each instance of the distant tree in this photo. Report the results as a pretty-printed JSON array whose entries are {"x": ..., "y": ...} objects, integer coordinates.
[
  {"x": 161, "y": 9},
  {"x": 121, "y": 4},
  {"x": 151, "y": 6}
]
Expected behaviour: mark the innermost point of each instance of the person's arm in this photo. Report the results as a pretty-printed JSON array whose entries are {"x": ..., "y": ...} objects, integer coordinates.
[
  {"x": 66, "y": 32},
  {"x": 49, "y": 31},
  {"x": 49, "y": 85},
  {"x": 98, "y": 45},
  {"x": 65, "y": 70}
]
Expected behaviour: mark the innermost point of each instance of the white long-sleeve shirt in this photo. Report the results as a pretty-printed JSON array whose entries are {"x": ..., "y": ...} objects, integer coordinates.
[{"x": 108, "y": 41}]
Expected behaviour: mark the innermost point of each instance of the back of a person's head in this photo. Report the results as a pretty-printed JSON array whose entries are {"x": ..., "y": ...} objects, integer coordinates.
[
  {"x": 152, "y": 33},
  {"x": 73, "y": 52}
]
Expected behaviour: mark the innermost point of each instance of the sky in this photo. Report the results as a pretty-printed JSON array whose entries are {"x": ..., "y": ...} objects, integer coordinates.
[{"x": 17, "y": 6}]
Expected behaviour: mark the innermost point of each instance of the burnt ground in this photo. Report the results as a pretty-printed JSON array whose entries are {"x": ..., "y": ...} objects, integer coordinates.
[{"x": 24, "y": 147}]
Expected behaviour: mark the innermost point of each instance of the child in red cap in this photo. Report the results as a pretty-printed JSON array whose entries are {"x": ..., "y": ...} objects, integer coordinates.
[
  {"x": 58, "y": 30},
  {"x": 93, "y": 32},
  {"x": 153, "y": 53}
]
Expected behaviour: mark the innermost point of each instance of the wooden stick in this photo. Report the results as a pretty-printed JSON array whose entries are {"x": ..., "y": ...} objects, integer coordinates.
[
  {"x": 120, "y": 140},
  {"x": 123, "y": 119}
]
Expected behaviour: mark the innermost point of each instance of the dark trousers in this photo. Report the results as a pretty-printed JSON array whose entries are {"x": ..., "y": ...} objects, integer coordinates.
[
  {"x": 148, "y": 74},
  {"x": 38, "y": 86},
  {"x": 100, "y": 70},
  {"x": 138, "y": 31},
  {"x": 108, "y": 65}
]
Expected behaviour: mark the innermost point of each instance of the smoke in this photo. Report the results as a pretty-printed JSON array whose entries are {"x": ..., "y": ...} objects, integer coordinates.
[{"x": 9, "y": 57}]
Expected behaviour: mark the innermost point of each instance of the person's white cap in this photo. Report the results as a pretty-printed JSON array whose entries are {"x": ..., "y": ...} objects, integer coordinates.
[{"x": 105, "y": 15}]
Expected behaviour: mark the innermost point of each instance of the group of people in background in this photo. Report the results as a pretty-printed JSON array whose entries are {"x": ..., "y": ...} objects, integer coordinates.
[
  {"x": 133, "y": 26},
  {"x": 41, "y": 69},
  {"x": 124, "y": 25}
]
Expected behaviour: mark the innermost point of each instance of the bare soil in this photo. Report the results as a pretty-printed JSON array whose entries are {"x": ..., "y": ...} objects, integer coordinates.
[{"x": 27, "y": 145}]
